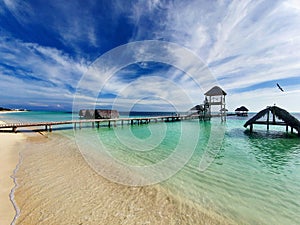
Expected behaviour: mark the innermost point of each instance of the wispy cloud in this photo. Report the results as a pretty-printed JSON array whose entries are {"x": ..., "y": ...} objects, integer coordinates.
[
  {"x": 32, "y": 72},
  {"x": 246, "y": 45}
]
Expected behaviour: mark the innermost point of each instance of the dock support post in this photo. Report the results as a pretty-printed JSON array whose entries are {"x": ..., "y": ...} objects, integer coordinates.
[
  {"x": 46, "y": 127},
  {"x": 122, "y": 122},
  {"x": 14, "y": 129},
  {"x": 93, "y": 125},
  {"x": 268, "y": 120},
  {"x": 98, "y": 124},
  {"x": 108, "y": 124},
  {"x": 115, "y": 123},
  {"x": 251, "y": 128},
  {"x": 80, "y": 125},
  {"x": 75, "y": 126},
  {"x": 50, "y": 128},
  {"x": 131, "y": 122},
  {"x": 287, "y": 128},
  {"x": 292, "y": 130}
]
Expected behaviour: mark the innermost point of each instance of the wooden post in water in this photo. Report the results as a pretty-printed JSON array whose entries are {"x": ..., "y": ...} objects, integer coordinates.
[
  {"x": 287, "y": 128},
  {"x": 251, "y": 128},
  {"x": 93, "y": 125},
  {"x": 292, "y": 130},
  {"x": 115, "y": 123},
  {"x": 50, "y": 128},
  {"x": 98, "y": 124},
  {"x": 268, "y": 120},
  {"x": 75, "y": 126},
  {"x": 46, "y": 128},
  {"x": 109, "y": 124}
]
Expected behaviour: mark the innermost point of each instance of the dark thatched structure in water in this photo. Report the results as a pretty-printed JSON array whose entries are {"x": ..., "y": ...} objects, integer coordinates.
[
  {"x": 241, "y": 111},
  {"x": 98, "y": 114},
  {"x": 283, "y": 115}
]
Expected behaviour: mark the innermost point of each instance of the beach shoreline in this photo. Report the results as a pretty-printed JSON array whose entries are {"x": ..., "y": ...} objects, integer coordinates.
[
  {"x": 72, "y": 191},
  {"x": 9, "y": 159},
  {"x": 12, "y": 111}
]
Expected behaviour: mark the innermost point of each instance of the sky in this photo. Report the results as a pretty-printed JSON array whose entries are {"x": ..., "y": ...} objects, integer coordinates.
[{"x": 53, "y": 51}]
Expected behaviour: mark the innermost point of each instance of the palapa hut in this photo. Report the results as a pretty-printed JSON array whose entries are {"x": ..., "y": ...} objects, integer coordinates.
[
  {"x": 216, "y": 97},
  {"x": 198, "y": 108},
  {"x": 286, "y": 119},
  {"x": 201, "y": 110},
  {"x": 98, "y": 114},
  {"x": 241, "y": 111}
]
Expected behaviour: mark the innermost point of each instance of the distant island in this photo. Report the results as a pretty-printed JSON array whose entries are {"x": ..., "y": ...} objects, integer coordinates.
[{"x": 7, "y": 109}]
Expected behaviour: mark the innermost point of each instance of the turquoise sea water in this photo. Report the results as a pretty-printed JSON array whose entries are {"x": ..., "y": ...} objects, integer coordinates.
[{"x": 254, "y": 178}]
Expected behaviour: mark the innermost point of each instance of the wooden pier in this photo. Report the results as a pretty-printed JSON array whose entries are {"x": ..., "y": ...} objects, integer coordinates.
[{"x": 48, "y": 126}]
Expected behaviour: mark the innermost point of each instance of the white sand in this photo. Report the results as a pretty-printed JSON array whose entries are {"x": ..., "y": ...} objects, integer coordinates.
[
  {"x": 13, "y": 111},
  {"x": 9, "y": 157}
]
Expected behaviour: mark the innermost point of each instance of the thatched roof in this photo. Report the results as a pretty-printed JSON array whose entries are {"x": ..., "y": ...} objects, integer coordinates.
[
  {"x": 280, "y": 114},
  {"x": 197, "y": 108},
  {"x": 98, "y": 113},
  {"x": 215, "y": 91},
  {"x": 223, "y": 110},
  {"x": 241, "y": 109}
]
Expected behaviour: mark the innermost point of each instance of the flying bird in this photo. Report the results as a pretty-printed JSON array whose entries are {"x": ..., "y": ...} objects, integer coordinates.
[{"x": 280, "y": 88}]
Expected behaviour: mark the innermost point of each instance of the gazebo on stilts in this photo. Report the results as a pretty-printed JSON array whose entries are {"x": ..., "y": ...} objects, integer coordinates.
[
  {"x": 273, "y": 112},
  {"x": 216, "y": 97}
]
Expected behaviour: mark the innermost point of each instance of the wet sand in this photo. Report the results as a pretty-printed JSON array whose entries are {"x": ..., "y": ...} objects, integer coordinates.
[
  {"x": 56, "y": 186},
  {"x": 9, "y": 157}
]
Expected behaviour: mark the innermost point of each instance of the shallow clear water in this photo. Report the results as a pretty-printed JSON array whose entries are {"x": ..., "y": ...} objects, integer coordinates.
[{"x": 254, "y": 178}]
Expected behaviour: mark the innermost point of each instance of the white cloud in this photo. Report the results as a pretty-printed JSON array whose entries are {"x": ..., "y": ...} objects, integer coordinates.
[
  {"x": 258, "y": 99},
  {"x": 246, "y": 42},
  {"x": 30, "y": 72}
]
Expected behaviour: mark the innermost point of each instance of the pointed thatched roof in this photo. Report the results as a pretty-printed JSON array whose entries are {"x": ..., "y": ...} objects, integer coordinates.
[
  {"x": 215, "y": 91},
  {"x": 198, "y": 108},
  {"x": 280, "y": 114},
  {"x": 241, "y": 109}
]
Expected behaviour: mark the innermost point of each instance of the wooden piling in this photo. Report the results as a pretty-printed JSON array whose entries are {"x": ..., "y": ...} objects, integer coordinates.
[{"x": 268, "y": 120}]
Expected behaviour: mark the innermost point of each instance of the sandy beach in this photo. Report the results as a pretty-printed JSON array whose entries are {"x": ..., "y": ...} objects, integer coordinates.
[
  {"x": 68, "y": 191},
  {"x": 55, "y": 191},
  {"x": 9, "y": 157}
]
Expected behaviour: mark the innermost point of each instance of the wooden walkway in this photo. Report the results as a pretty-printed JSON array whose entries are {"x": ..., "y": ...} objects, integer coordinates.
[{"x": 97, "y": 122}]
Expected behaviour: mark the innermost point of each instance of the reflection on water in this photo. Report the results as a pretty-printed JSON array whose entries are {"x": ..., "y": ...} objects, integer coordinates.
[{"x": 273, "y": 149}]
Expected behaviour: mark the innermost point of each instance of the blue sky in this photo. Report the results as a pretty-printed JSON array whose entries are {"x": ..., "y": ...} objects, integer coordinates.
[{"x": 46, "y": 47}]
